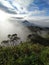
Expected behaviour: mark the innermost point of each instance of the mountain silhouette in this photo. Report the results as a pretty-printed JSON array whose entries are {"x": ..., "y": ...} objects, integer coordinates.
[{"x": 27, "y": 23}]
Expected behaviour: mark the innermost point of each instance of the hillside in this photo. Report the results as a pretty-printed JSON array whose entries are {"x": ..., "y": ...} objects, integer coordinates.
[{"x": 25, "y": 54}]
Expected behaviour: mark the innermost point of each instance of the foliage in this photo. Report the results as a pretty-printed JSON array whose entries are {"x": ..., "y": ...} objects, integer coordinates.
[
  {"x": 24, "y": 54},
  {"x": 36, "y": 38},
  {"x": 12, "y": 40}
]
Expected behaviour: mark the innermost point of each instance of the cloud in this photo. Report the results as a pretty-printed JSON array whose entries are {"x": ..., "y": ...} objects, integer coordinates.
[
  {"x": 24, "y": 3},
  {"x": 5, "y": 3},
  {"x": 45, "y": 18},
  {"x": 16, "y": 6},
  {"x": 36, "y": 13},
  {"x": 7, "y": 10},
  {"x": 26, "y": 7}
]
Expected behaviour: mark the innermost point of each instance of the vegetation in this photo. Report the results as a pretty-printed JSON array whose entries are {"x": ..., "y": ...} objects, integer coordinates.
[
  {"x": 12, "y": 40},
  {"x": 35, "y": 38},
  {"x": 26, "y": 53}
]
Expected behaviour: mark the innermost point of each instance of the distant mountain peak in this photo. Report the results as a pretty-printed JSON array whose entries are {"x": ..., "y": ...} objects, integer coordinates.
[
  {"x": 25, "y": 21},
  {"x": 28, "y": 23}
]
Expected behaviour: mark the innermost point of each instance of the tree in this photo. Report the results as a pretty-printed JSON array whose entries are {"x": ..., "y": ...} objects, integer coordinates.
[
  {"x": 5, "y": 42},
  {"x": 12, "y": 39}
]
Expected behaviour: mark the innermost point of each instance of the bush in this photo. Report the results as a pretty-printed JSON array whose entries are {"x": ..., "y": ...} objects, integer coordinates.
[{"x": 24, "y": 54}]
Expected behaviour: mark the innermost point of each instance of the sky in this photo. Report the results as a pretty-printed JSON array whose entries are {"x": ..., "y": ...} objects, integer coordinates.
[
  {"x": 14, "y": 12},
  {"x": 24, "y": 8}
]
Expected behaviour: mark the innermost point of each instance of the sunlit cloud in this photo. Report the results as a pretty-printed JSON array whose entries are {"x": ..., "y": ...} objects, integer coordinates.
[
  {"x": 24, "y": 3},
  {"x": 38, "y": 18},
  {"x": 26, "y": 8},
  {"x": 5, "y": 3},
  {"x": 3, "y": 16}
]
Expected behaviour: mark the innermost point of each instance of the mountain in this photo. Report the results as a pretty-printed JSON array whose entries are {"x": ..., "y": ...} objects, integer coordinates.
[
  {"x": 34, "y": 28},
  {"x": 27, "y": 23}
]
